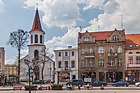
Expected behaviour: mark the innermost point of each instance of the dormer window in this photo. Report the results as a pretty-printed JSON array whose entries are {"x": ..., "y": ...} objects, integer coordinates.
[
  {"x": 115, "y": 37},
  {"x": 137, "y": 52},
  {"x": 137, "y": 45},
  {"x": 86, "y": 39},
  {"x": 130, "y": 53},
  {"x": 130, "y": 45}
]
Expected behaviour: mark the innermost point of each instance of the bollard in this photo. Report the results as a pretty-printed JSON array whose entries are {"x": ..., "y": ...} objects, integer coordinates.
[
  {"x": 49, "y": 88},
  {"x": 78, "y": 87}
]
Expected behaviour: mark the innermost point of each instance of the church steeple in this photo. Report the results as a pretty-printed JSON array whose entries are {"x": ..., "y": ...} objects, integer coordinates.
[{"x": 36, "y": 23}]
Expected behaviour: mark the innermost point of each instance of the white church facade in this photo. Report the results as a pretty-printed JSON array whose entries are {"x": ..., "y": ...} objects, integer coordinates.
[{"x": 35, "y": 47}]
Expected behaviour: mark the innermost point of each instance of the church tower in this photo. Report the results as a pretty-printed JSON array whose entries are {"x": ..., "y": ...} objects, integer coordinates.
[{"x": 36, "y": 42}]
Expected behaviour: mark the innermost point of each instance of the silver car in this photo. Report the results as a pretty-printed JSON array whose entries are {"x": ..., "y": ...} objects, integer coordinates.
[{"x": 137, "y": 84}]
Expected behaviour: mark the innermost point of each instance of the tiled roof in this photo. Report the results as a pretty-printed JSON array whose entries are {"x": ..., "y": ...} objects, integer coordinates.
[
  {"x": 36, "y": 23},
  {"x": 132, "y": 41},
  {"x": 101, "y": 35}
]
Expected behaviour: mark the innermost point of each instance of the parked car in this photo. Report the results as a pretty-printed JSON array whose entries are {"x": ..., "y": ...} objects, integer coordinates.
[
  {"x": 76, "y": 82},
  {"x": 40, "y": 82},
  {"x": 98, "y": 83},
  {"x": 137, "y": 84},
  {"x": 120, "y": 83}
]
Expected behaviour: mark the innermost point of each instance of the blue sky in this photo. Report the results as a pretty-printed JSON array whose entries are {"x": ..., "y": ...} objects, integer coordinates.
[{"x": 61, "y": 19}]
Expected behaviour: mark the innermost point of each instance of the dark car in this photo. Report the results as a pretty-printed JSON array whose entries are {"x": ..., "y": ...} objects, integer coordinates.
[
  {"x": 120, "y": 83},
  {"x": 40, "y": 82},
  {"x": 98, "y": 83},
  {"x": 76, "y": 82}
]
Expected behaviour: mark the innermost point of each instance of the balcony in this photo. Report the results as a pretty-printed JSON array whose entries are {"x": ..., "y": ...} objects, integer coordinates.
[
  {"x": 87, "y": 68},
  {"x": 113, "y": 54},
  {"x": 133, "y": 65},
  {"x": 64, "y": 69},
  {"x": 89, "y": 55}
]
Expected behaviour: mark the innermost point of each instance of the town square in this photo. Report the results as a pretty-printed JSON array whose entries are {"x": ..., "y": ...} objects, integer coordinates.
[{"x": 69, "y": 46}]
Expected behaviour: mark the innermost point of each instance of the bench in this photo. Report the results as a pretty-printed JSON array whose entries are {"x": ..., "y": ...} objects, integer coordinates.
[
  {"x": 17, "y": 87},
  {"x": 44, "y": 87}
]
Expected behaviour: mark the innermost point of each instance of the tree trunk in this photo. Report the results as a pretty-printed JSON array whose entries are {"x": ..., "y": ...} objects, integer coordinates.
[
  {"x": 18, "y": 81},
  {"x": 43, "y": 70}
]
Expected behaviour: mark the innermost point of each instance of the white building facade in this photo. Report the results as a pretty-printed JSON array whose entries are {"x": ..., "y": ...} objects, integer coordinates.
[
  {"x": 35, "y": 47},
  {"x": 66, "y": 65}
]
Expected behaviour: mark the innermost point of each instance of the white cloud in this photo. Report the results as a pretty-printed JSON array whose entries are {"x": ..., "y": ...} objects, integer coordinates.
[
  {"x": 57, "y": 13},
  {"x": 2, "y": 5},
  {"x": 111, "y": 19},
  {"x": 69, "y": 39},
  {"x": 62, "y": 13},
  {"x": 88, "y": 4},
  {"x": 13, "y": 60}
]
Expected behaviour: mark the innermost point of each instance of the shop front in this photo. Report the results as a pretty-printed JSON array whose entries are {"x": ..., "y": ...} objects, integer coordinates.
[
  {"x": 64, "y": 76},
  {"x": 88, "y": 76}
]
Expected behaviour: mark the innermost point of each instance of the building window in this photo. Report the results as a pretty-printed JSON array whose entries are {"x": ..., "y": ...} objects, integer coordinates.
[
  {"x": 66, "y": 64},
  {"x": 41, "y": 39},
  {"x": 111, "y": 49},
  {"x": 36, "y": 54},
  {"x": 130, "y": 53},
  {"x": 89, "y": 62},
  {"x": 86, "y": 39},
  {"x": 36, "y": 38},
  {"x": 101, "y": 50},
  {"x": 130, "y": 45},
  {"x": 137, "y": 52},
  {"x": 66, "y": 53},
  {"x": 101, "y": 63},
  {"x": 115, "y": 37},
  {"x": 119, "y": 62},
  {"x": 72, "y": 64},
  {"x": 83, "y": 51},
  {"x": 90, "y": 50},
  {"x": 59, "y": 64},
  {"x": 72, "y": 53},
  {"x": 83, "y": 63},
  {"x": 137, "y": 59},
  {"x": 130, "y": 60},
  {"x": 59, "y": 54},
  {"x": 31, "y": 38},
  {"x": 73, "y": 76},
  {"x": 111, "y": 62},
  {"x": 119, "y": 49}
]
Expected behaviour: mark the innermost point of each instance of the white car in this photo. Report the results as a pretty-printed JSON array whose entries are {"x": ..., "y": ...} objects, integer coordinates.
[{"x": 137, "y": 84}]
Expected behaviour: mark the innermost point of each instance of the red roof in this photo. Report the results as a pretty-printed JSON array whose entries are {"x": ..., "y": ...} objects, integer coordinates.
[
  {"x": 36, "y": 23},
  {"x": 132, "y": 40},
  {"x": 101, "y": 35}
]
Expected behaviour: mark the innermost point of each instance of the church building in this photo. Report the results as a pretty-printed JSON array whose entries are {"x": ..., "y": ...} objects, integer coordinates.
[{"x": 35, "y": 47}]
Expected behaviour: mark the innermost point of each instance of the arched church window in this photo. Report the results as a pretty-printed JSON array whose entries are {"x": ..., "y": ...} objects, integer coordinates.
[
  {"x": 40, "y": 38},
  {"x": 36, "y": 54},
  {"x": 36, "y": 38},
  {"x": 31, "y": 38}
]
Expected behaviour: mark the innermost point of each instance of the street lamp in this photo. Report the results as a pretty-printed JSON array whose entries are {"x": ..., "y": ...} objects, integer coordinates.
[{"x": 27, "y": 62}]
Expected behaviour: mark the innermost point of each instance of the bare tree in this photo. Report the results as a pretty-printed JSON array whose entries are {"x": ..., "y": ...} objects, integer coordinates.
[
  {"x": 45, "y": 56},
  {"x": 18, "y": 39}
]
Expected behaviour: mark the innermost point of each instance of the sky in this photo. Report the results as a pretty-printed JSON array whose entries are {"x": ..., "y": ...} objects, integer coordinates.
[{"x": 63, "y": 19}]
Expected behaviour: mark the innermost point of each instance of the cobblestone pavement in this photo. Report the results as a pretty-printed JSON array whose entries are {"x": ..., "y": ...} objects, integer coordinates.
[{"x": 75, "y": 91}]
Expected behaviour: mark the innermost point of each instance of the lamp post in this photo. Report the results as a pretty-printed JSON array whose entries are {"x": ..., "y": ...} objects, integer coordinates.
[{"x": 27, "y": 62}]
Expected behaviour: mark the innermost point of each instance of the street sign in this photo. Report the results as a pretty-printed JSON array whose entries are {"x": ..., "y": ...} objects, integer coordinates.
[{"x": 31, "y": 73}]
